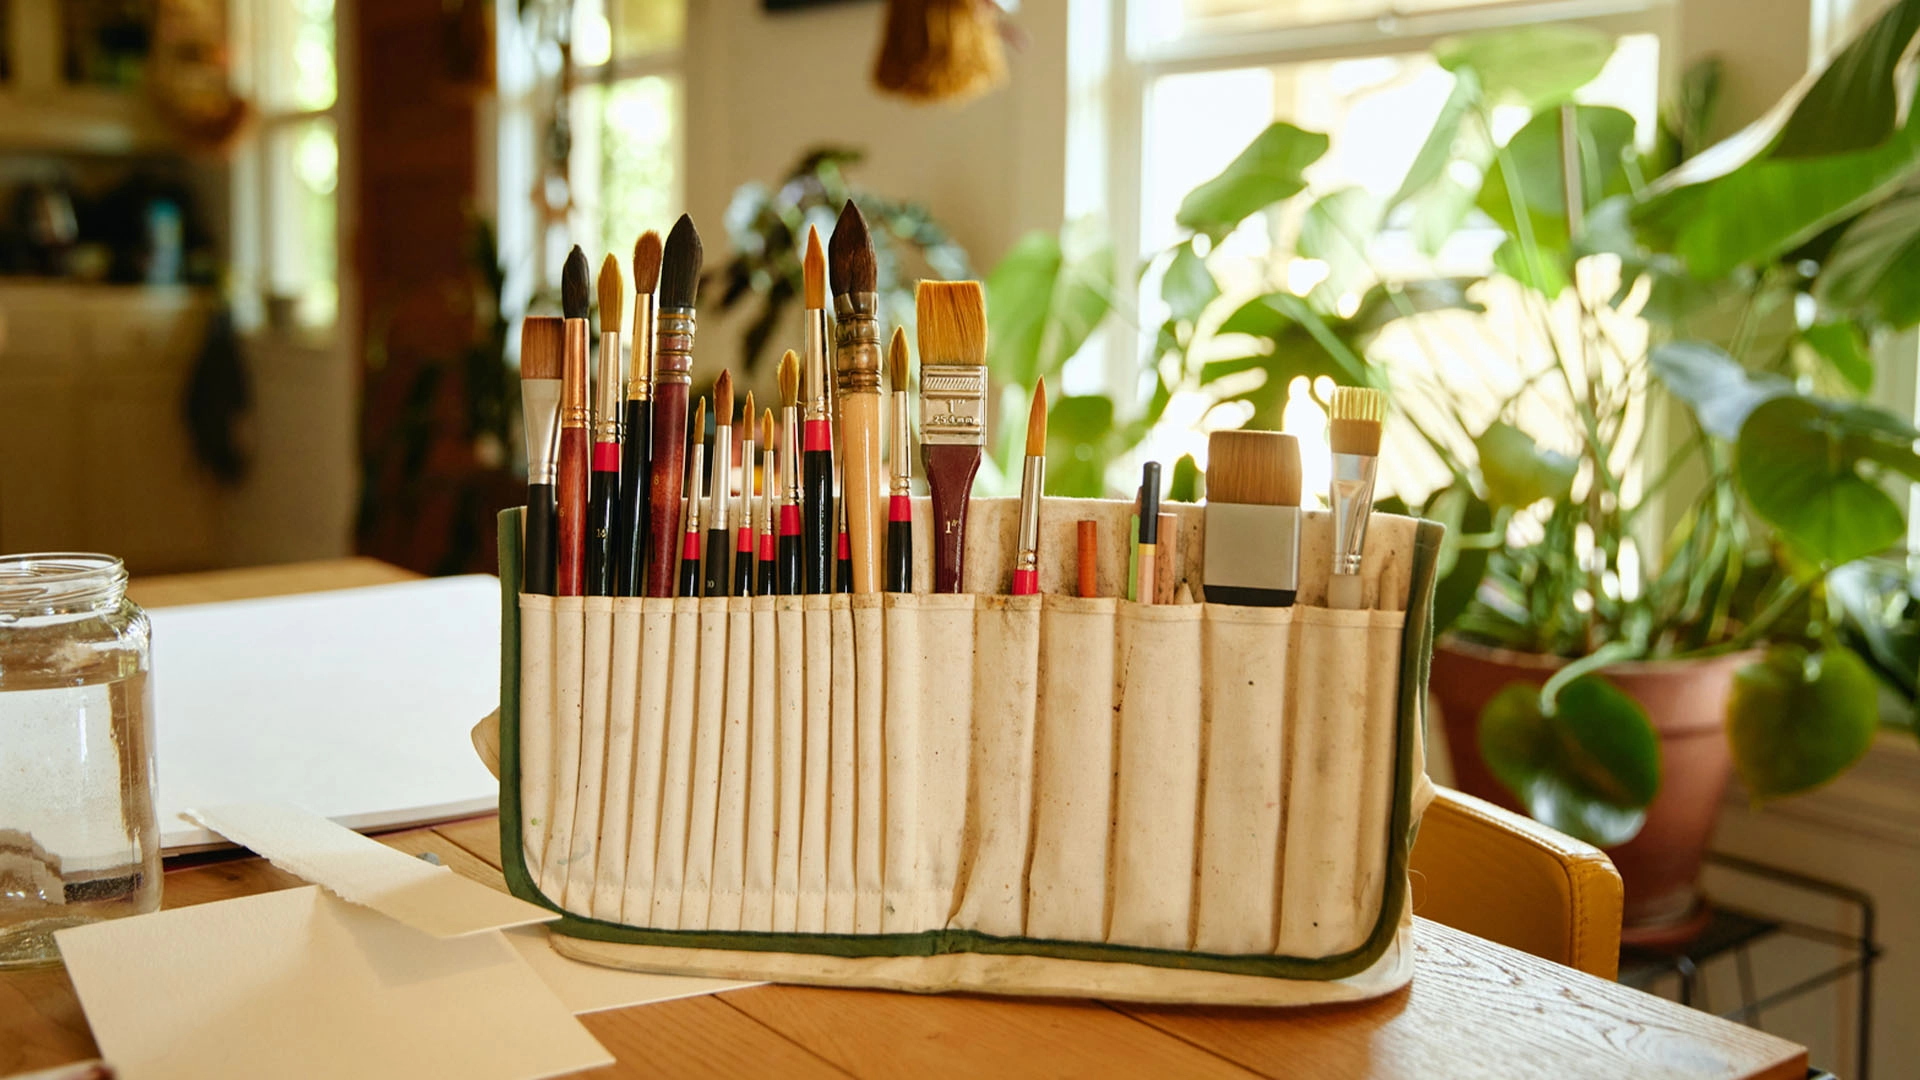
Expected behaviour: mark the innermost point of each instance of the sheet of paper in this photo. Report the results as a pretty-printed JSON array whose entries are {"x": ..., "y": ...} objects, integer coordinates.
[
  {"x": 429, "y": 898},
  {"x": 300, "y": 983},
  {"x": 586, "y": 988},
  {"x": 353, "y": 704}
]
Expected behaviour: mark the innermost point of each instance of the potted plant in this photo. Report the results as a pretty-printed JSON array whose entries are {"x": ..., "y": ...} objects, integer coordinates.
[{"x": 1706, "y": 318}]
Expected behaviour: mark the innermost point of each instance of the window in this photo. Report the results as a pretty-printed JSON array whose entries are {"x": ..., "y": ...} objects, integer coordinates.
[
  {"x": 286, "y": 175},
  {"x": 1191, "y": 82},
  {"x": 607, "y": 167}
]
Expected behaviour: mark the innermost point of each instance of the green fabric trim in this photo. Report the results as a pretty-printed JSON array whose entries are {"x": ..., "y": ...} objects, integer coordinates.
[{"x": 1416, "y": 651}]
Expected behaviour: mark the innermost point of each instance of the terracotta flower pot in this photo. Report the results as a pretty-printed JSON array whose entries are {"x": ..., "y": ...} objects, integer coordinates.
[{"x": 1686, "y": 700}]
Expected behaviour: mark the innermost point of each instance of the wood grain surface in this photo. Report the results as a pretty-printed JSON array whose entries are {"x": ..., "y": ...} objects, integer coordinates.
[{"x": 1475, "y": 1009}]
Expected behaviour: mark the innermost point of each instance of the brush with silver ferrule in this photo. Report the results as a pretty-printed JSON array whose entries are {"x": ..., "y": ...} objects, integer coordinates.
[
  {"x": 690, "y": 546},
  {"x": 636, "y": 472},
  {"x": 1252, "y": 538},
  {"x": 576, "y": 416},
  {"x": 716, "y": 573},
  {"x": 1033, "y": 480},
  {"x": 743, "y": 570},
  {"x": 1354, "y": 434},
  {"x": 900, "y": 459},
  {"x": 792, "y": 575},
  {"x": 766, "y": 569},
  {"x": 609, "y": 426},
  {"x": 952, "y": 325},
  {"x": 541, "y": 345},
  {"x": 816, "y": 452},
  {"x": 680, "y": 260},
  {"x": 856, "y": 306}
]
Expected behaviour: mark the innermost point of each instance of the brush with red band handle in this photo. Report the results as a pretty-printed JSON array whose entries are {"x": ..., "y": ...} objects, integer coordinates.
[
  {"x": 570, "y": 578},
  {"x": 1033, "y": 480},
  {"x": 673, "y": 361},
  {"x": 816, "y": 449},
  {"x": 690, "y": 546},
  {"x": 792, "y": 576},
  {"x": 900, "y": 459},
  {"x": 636, "y": 472},
  {"x": 952, "y": 323},
  {"x": 743, "y": 569},
  {"x": 766, "y": 571},
  {"x": 716, "y": 574},
  {"x": 609, "y": 424}
]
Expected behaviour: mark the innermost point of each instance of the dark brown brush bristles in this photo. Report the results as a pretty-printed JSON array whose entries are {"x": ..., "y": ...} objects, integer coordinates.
[
  {"x": 646, "y": 262},
  {"x": 1037, "y": 421},
  {"x": 576, "y": 294},
  {"x": 542, "y": 342},
  {"x": 1254, "y": 467},
  {"x": 897, "y": 360},
  {"x": 680, "y": 263},
  {"x": 951, "y": 318},
  {"x": 789, "y": 379},
  {"x": 850, "y": 253},
  {"x": 813, "y": 272},
  {"x": 612, "y": 295},
  {"x": 723, "y": 399}
]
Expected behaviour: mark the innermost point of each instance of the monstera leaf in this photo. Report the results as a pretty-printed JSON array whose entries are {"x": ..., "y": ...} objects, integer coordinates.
[{"x": 1270, "y": 169}]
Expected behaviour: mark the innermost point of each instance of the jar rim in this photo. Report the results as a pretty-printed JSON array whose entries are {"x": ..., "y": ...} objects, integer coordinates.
[{"x": 49, "y": 580}]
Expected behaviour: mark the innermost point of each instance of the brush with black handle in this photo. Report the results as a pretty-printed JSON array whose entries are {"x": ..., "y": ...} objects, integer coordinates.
[
  {"x": 743, "y": 571},
  {"x": 609, "y": 427},
  {"x": 630, "y": 557},
  {"x": 766, "y": 568},
  {"x": 900, "y": 462},
  {"x": 541, "y": 344},
  {"x": 817, "y": 533},
  {"x": 715, "y": 570},
  {"x": 690, "y": 547},
  {"x": 791, "y": 575}
]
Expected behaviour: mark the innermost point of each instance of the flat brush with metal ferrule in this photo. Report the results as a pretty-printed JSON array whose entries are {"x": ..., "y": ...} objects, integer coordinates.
[
  {"x": 900, "y": 461},
  {"x": 952, "y": 324},
  {"x": 792, "y": 576},
  {"x": 636, "y": 473},
  {"x": 1033, "y": 480},
  {"x": 743, "y": 569},
  {"x": 716, "y": 573},
  {"x": 609, "y": 423},
  {"x": 1354, "y": 434},
  {"x": 690, "y": 546},
  {"x": 542, "y": 341},
  {"x": 673, "y": 361},
  {"x": 816, "y": 450},
  {"x": 1252, "y": 538},
  {"x": 575, "y": 420},
  {"x": 856, "y": 306},
  {"x": 767, "y": 576}
]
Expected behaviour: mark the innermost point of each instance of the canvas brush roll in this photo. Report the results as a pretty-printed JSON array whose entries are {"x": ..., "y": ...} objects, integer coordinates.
[{"x": 1026, "y": 795}]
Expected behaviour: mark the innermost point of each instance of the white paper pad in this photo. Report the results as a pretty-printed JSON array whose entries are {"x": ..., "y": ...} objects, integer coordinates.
[
  {"x": 586, "y": 988},
  {"x": 300, "y": 983},
  {"x": 429, "y": 898},
  {"x": 353, "y": 704}
]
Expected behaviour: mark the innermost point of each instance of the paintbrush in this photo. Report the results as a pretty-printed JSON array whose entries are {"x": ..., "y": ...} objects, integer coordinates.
[
  {"x": 636, "y": 473},
  {"x": 609, "y": 422},
  {"x": 768, "y": 583},
  {"x": 1146, "y": 564},
  {"x": 900, "y": 461},
  {"x": 952, "y": 318},
  {"x": 575, "y": 419},
  {"x": 856, "y": 306},
  {"x": 843, "y": 552},
  {"x": 715, "y": 575},
  {"x": 1252, "y": 540},
  {"x": 680, "y": 260},
  {"x": 690, "y": 545},
  {"x": 541, "y": 344},
  {"x": 1354, "y": 434},
  {"x": 743, "y": 570},
  {"x": 1033, "y": 480},
  {"x": 816, "y": 452},
  {"x": 792, "y": 572}
]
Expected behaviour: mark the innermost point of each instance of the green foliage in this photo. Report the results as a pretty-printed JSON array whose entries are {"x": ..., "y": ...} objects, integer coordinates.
[
  {"x": 1517, "y": 472},
  {"x": 1587, "y": 766},
  {"x": 1807, "y": 467},
  {"x": 1270, "y": 169},
  {"x": 1538, "y": 65},
  {"x": 1798, "y": 718}
]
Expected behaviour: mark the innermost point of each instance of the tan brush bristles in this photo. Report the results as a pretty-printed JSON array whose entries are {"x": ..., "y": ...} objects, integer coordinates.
[
  {"x": 789, "y": 380},
  {"x": 747, "y": 413},
  {"x": 1037, "y": 421},
  {"x": 952, "y": 318},
  {"x": 814, "y": 270},
  {"x": 766, "y": 429},
  {"x": 1259, "y": 467},
  {"x": 542, "y": 347},
  {"x": 697, "y": 427},
  {"x": 613, "y": 293},
  {"x": 1356, "y": 416},
  {"x": 897, "y": 360},
  {"x": 723, "y": 399},
  {"x": 646, "y": 263}
]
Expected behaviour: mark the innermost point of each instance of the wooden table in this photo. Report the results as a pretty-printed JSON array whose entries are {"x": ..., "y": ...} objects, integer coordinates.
[{"x": 1475, "y": 1009}]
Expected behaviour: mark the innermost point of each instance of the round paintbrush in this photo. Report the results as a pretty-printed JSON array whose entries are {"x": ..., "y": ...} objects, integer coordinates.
[
  {"x": 680, "y": 262},
  {"x": 636, "y": 454},
  {"x": 766, "y": 567},
  {"x": 575, "y": 418},
  {"x": 716, "y": 572},
  {"x": 900, "y": 458},
  {"x": 792, "y": 558},
  {"x": 609, "y": 423},
  {"x": 1033, "y": 479}
]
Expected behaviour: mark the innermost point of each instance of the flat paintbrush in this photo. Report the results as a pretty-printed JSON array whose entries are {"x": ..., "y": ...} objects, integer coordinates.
[
  {"x": 575, "y": 418},
  {"x": 743, "y": 570},
  {"x": 690, "y": 546},
  {"x": 792, "y": 571},
  {"x": 816, "y": 451},
  {"x": 542, "y": 340},
  {"x": 900, "y": 458},
  {"x": 673, "y": 360},
  {"x": 1354, "y": 434},
  {"x": 766, "y": 567},
  {"x": 715, "y": 573},
  {"x": 636, "y": 473},
  {"x": 856, "y": 307},
  {"x": 952, "y": 323},
  {"x": 609, "y": 424},
  {"x": 1252, "y": 537},
  {"x": 1033, "y": 481}
]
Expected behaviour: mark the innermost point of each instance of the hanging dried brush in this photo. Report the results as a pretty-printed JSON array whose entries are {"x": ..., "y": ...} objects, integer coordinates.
[{"x": 941, "y": 50}]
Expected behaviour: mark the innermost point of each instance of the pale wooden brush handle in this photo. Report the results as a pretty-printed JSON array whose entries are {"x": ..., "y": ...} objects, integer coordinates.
[{"x": 860, "y": 485}]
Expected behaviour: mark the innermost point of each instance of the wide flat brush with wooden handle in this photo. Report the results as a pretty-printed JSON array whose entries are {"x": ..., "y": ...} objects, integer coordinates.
[{"x": 952, "y": 324}]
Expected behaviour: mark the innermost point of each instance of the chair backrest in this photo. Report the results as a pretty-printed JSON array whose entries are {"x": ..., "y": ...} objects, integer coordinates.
[{"x": 1512, "y": 880}]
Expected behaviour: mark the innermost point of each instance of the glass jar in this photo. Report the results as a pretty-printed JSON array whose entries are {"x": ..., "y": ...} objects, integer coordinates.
[{"x": 78, "y": 837}]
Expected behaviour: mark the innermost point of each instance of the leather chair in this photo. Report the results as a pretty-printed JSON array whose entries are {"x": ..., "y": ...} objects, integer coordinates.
[{"x": 1507, "y": 878}]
